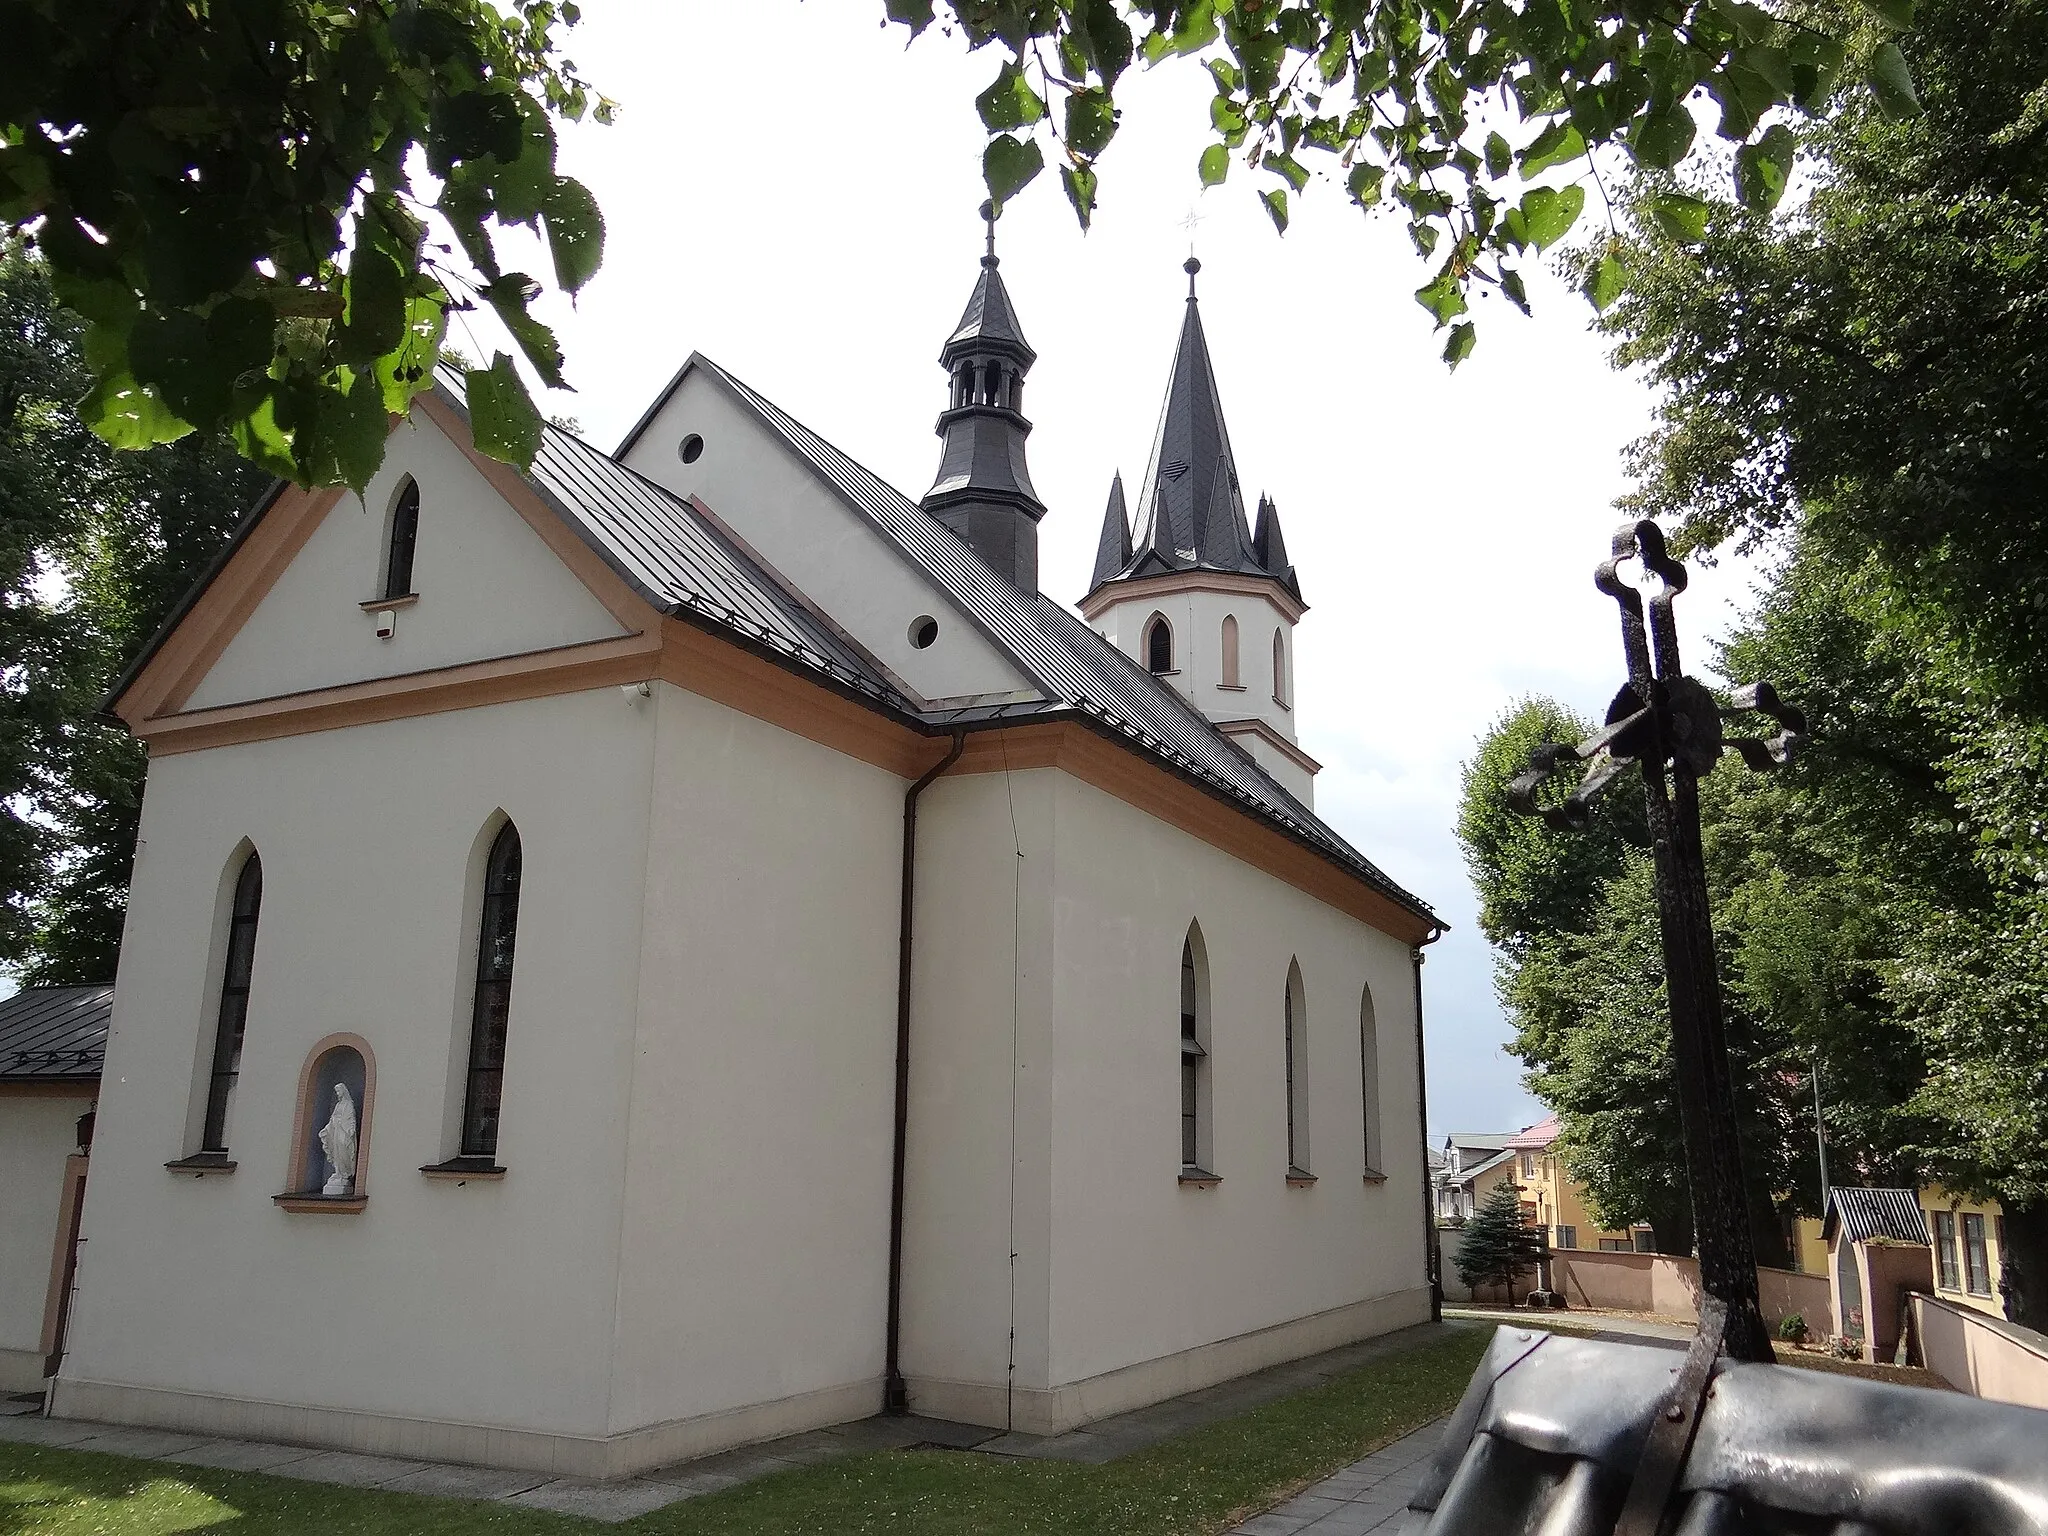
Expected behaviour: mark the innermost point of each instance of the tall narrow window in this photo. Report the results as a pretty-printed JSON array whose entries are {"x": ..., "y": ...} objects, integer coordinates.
[
  {"x": 1296, "y": 1020},
  {"x": 1279, "y": 667},
  {"x": 1369, "y": 1080},
  {"x": 1230, "y": 651},
  {"x": 1158, "y": 644},
  {"x": 405, "y": 533},
  {"x": 1976, "y": 1261},
  {"x": 234, "y": 1004},
  {"x": 1192, "y": 1056},
  {"x": 1948, "y": 1278},
  {"x": 493, "y": 1003}
]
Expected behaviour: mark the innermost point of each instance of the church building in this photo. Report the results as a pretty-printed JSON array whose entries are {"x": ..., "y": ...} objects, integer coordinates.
[{"x": 686, "y": 945}]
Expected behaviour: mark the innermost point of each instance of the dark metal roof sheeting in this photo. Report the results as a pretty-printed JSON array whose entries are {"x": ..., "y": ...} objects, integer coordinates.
[
  {"x": 1068, "y": 661},
  {"x": 54, "y": 1033},
  {"x": 1868, "y": 1213}
]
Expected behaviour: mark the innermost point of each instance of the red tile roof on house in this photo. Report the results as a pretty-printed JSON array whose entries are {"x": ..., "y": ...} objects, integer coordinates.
[{"x": 1536, "y": 1138}]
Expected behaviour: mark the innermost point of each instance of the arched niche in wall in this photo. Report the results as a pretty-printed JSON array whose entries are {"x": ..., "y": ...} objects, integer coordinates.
[{"x": 331, "y": 1127}]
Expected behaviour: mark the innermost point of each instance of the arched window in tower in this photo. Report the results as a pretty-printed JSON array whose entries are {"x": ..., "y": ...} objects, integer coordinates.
[
  {"x": 490, "y": 1009},
  {"x": 1294, "y": 1013},
  {"x": 963, "y": 385},
  {"x": 1017, "y": 393},
  {"x": 233, "y": 1017},
  {"x": 405, "y": 532},
  {"x": 1369, "y": 1080},
  {"x": 1279, "y": 666},
  {"x": 1158, "y": 644},
  {"x": 1194, "y": 1053},
  {"x": 1230, "y": 651},
  {"x": 992, "y": 384}
]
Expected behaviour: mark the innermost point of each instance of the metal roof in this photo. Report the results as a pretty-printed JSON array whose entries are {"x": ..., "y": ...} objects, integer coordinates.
[
  {"x": 1867, "y": 1213},
  {"x": 54, "y": 1034},
  {"x": 1073, "y": 666},
  {"x": 989, "y": 320}
]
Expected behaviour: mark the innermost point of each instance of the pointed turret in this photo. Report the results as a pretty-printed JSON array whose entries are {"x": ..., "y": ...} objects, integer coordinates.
[
  {"x": 983, "y": 491},
  {"x": 1113, "y": 549},
  {"x": 1270, "y": 549}
]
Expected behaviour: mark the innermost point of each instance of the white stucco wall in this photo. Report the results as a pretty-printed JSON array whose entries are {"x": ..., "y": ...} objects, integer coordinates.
[
  {"x": 756, "y": 1232},
  {"x": 1197, "y": 620},
  {"x": 487, "y": 586},
  {"x": 834, "y": 556},
  {"x": 37, "y": 1133},
  {"x": 485, "y": 1303}
]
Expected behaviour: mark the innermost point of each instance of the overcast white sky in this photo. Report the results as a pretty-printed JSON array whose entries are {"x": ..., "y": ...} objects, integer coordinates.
[{"x": 792, "y": 192}]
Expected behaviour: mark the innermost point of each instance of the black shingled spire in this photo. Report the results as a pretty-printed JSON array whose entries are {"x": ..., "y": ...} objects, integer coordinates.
[
  {"x": 1113, "y": 549},
  {"x": 1270, "y": 549},
  {"x": 983, "y": 491}
]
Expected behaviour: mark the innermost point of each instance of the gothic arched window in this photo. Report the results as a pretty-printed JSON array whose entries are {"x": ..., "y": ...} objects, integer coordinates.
[
  {"x": 1279, "y": 666},
  {"x": 1158, "y": 644},
  {"x": 992, "y": 385},
  {"x": 1230, "y": 650},
  {"x": 1295, "y": 1016},
  {"x": 405, "y": 533},
  {"x": 1194, "y": 1053},
  {"x": 234, "y": 1003},
  {"x": 490, "y": 1010},
  {"x": 1369, "y": 1079}
]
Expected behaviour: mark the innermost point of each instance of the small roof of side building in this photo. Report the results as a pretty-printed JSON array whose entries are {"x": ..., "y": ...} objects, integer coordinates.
[
  {"x": 54, "y": 1034},
  {"x": 1486, "y": 1165},
  {"x": 1864, "y": 1214}
]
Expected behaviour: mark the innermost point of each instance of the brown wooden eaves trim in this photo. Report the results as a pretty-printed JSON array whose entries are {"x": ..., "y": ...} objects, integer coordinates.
[{"x": 49, "y": 1087}]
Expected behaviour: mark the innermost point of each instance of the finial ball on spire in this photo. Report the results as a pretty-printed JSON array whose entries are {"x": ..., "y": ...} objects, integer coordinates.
[
  {"x": 988, "y": 217},
  {"x": 1191, "y": 266}
]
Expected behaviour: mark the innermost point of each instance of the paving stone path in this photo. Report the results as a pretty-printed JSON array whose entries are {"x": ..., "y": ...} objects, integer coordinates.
[
  {"x": 1370, "y": 1495},
  {"x": 627, "y": 1498}
]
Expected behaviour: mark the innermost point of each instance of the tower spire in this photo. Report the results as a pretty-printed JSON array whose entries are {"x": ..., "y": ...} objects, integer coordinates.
[{"x": 983, "y": 491}]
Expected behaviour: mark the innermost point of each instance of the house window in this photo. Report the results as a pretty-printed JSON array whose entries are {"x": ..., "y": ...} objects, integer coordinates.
[
  {"x": 1976, "y": 1262},
  {"x": 405, "y": 533},
  {"x": 491, "y": 1009},
  {"x": 1567, "y": 1237},
  {"x": 1948, "y": 1275},
  {"x": 1158, "y": 644},
  {"x": 1646, "y": 1241},
  {"x": 1295, "y": 1017},
  {"x": 1230, "y": 651},
  {"x": 1194, "y": 1053},
  {"x": 1613, "y": 1245},
  {"x": 234, "y": 1004},
  {"x": 1369, "y": 1080},
  {"x": 1279, "y": 667},
  {"x": 1528, "y": 1165}
]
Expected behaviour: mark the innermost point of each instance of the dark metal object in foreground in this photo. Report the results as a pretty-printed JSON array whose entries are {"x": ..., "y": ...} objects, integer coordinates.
[
  {"x": 1552, "y": 1430},
  {"x": 1670, "y": 725}
]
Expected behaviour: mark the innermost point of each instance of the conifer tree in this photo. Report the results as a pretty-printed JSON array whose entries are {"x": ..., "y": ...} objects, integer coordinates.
[{"x": 1498, "y": 1244}]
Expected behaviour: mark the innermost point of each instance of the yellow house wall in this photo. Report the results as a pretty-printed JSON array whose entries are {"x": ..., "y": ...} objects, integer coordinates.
[
  {"x": 1560, "y": 1200},
  {"x": 1934, "y": 1198}
]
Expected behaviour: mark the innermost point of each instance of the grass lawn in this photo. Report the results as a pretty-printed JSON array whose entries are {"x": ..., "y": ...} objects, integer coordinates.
[{"x": 1193, "y": 1484}]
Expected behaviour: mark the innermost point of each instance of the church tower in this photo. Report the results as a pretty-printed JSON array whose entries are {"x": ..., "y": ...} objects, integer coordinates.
[
  {"x": 1196, "y": 594},
  {"x": 983, "y": 491}
]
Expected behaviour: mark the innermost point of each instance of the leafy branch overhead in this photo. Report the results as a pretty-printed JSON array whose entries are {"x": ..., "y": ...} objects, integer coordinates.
[
  {"x": 267, "y": 210},
  {"x": 1477, "y": 119}
]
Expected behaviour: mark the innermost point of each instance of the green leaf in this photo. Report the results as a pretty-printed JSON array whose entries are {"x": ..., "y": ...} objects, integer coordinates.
[
  {"x": 1771, "y": 65},
  {"x": 1891, "y": 82},
  {"x": 1214, "y": 165},
  {"x": 503, "y": 421},
  {"x": 374, "y": 321},
  {"x": 575, "y": 231},
  {"x": 914, "y": 14},
  {"x": 1079, "y": 181},
  {"x": 1897, "y": 13},
  {"x": 1547, "y": 213},
  {"x": 1660, "y": 138},
  {"x": 1816, "y": 67},
  {"x": 1500, "y": 156},
  {"x": 1275, "y": 199},
  {"x": 1762, "y": 168},
  {"x": 1681, "y": 217},
  {"x": 472, "y": 124},
  {"x": 1462, "y": 340},
  {"x": 344, "y": 444},
  {"x": 1553, "y": 146},
  {"x": 520, "y": 187},
  {"x": 260, "y": 440},
  {"x": 1091, "y": 121},
  {"x": 1511, "y": 285},
  {"x": 1443, "y": 296},
  {"x": 1007, "y": 166},
  {"x": 1009, "y": 101},
  {"x": 1286, "y": 166},
  {"x": 1365, "y": 183},
  {"x": 403, "y": 373},
  {"x": 126, "y": 414},
  {"x": 509, "y": 296},
  {"x": 1605, "y": 282}
]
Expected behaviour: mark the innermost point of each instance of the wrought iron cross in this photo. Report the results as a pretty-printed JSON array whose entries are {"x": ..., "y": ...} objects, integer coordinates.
[{"x": 1670, "y": 726}]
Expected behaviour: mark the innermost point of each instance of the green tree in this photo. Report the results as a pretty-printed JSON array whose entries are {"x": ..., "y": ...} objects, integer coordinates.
[
  {"x": 265, "y": 209},
  {"x": 99, "y": 546},
  {"x": 1498, "y": 1245}
]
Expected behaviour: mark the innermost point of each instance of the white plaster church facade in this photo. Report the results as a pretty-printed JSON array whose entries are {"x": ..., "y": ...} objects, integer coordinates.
[{"x": 777, "y": 962}]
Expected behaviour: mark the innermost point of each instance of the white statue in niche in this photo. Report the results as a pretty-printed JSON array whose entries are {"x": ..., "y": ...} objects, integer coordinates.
[{"x": 338, "y": 1143}]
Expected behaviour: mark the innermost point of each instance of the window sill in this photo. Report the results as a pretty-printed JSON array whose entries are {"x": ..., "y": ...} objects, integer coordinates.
[
  {"x": 322, "y": 1205},
  {"x": 1200, "y": 1178},
  {"x": 461, "y": 1170},
  {"x": 1232, "y": 688},
  {"x": 380, "y": 604},
  {"x": 1299, "y": 1178},
  {"x": 1374, "y": 1176},
  {"x": 1283, "y": 703},
  {"x": 200, "y": 1164}
]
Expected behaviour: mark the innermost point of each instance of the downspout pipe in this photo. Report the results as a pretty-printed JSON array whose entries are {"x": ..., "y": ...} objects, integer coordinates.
[
  {"x": 1432, "y": 1256},
  {"x": 895, "y": 1393}
]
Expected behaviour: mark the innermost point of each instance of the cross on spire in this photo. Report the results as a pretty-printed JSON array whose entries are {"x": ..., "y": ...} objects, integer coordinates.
[{"x": 988, "y": 217}]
